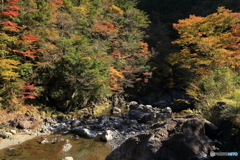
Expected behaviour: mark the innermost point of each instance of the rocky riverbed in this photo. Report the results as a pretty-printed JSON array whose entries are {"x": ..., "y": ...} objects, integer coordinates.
[{"x": 144, "y": 132}]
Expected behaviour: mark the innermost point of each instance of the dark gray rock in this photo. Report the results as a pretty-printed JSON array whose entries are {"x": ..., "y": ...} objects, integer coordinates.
[
  {"x": 103, "y": 120},
  {"x": 75, "y": 123},
  {"x": 175, "y": 139},
  {"x": 130, "y": 122},
  {"x": 211, "y": 130},
  {"x": 133, "y": 105},
  {"x": 180, "y": 104},
  {"x": 141, "y": 116}
]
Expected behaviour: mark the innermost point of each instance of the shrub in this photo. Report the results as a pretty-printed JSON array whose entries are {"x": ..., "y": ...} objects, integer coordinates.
[{"x": 221, "y": 85}]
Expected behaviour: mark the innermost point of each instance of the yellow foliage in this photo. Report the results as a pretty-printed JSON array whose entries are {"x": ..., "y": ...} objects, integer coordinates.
[
  {"x": 115, "y": 9},
  {"x": 83, "y": 9},
  {"x": 87, "y": 58},
  {"x": 116, "y": 73},
  {"x": 6, "y": 68},
  {"x": 5, "y": 38}
]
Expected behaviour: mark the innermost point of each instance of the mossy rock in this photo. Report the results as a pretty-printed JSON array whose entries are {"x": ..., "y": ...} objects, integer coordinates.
[
  {"x": 53, "y": 115},
  {"x": 99, "y": 109},
  {"x": 187, "y": 111}
]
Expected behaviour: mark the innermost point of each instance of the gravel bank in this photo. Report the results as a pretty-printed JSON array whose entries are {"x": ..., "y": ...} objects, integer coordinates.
[{"x": 16, "y": 139}]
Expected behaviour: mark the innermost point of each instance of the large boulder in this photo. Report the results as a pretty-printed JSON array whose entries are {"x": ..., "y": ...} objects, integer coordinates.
[
  {"x": 211, "y": 130},
  {"x": 21, "y": 123},
  {"x": 175, "y": 139}
]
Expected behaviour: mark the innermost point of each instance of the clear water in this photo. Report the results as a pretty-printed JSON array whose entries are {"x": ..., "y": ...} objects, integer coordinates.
[{"x": 82, "y": 149}]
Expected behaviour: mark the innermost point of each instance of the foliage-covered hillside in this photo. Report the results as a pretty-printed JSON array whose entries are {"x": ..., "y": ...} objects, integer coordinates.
[{"x": 69, "y": 53}]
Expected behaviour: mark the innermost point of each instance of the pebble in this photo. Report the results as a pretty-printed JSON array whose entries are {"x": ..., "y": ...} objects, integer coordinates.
[
  {"x": 13, "y": 131},
  {"x": 68, "y": 158},
  {"x": 44, "y": 141},
  {"x": 66, "y": 147}
]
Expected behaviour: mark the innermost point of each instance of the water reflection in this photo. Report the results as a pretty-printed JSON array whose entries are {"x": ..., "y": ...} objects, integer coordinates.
[{"x": 82, "y": 149}]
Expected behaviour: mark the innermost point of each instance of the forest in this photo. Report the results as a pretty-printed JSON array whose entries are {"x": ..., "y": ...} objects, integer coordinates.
[{"x": 71, "y": 54}]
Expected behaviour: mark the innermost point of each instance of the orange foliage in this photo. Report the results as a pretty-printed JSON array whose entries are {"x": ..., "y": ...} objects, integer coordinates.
[
  {"x": 29, "y": 38},
  {"x": 10, "y": 13},
  {"x": 12, "y": 9},
  {"x": 145, "y": 80},
  {"x": 104, "y": 28},
  {"x": 116, "y": 54},
  {"x": 210, "y": 41},
  {"x": 146, "y": 74},
  {"x": 28, "y": 93},
  {"x": 10, "y": 26},
  {"x": 144, "y": 47},
  {"x": 56, "y": 3}
]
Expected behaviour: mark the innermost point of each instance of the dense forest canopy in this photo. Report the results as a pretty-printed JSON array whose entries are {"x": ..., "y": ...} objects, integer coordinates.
[{"x": 71, "y": 54}]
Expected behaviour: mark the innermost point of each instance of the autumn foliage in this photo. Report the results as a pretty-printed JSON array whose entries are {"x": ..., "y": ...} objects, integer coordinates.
[
  {"x": 68, "y": 53},
  {"x": 208, "y": 42},
  {"x": 71, "y": 54},
  {"x": 15, "y": 68}
]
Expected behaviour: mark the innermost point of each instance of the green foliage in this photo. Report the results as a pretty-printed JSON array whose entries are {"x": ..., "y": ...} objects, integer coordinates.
[
  {"x": 232, "y": 113},
  {"x": 84, "y": 75},
  {"x": 75, "y": 53},
  {"x": 9, "y": 94},
  {"x": 221, "y": 85},
  {"x": 214, "y": 86}
]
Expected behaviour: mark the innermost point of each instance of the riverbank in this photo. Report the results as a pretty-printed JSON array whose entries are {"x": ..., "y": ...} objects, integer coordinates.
[
  {"x": 111, "y": 132},
  {"x": 17, "y": 139}
]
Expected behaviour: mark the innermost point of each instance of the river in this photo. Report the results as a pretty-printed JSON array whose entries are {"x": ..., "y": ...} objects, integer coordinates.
[{"x": 82, "y": 149}]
